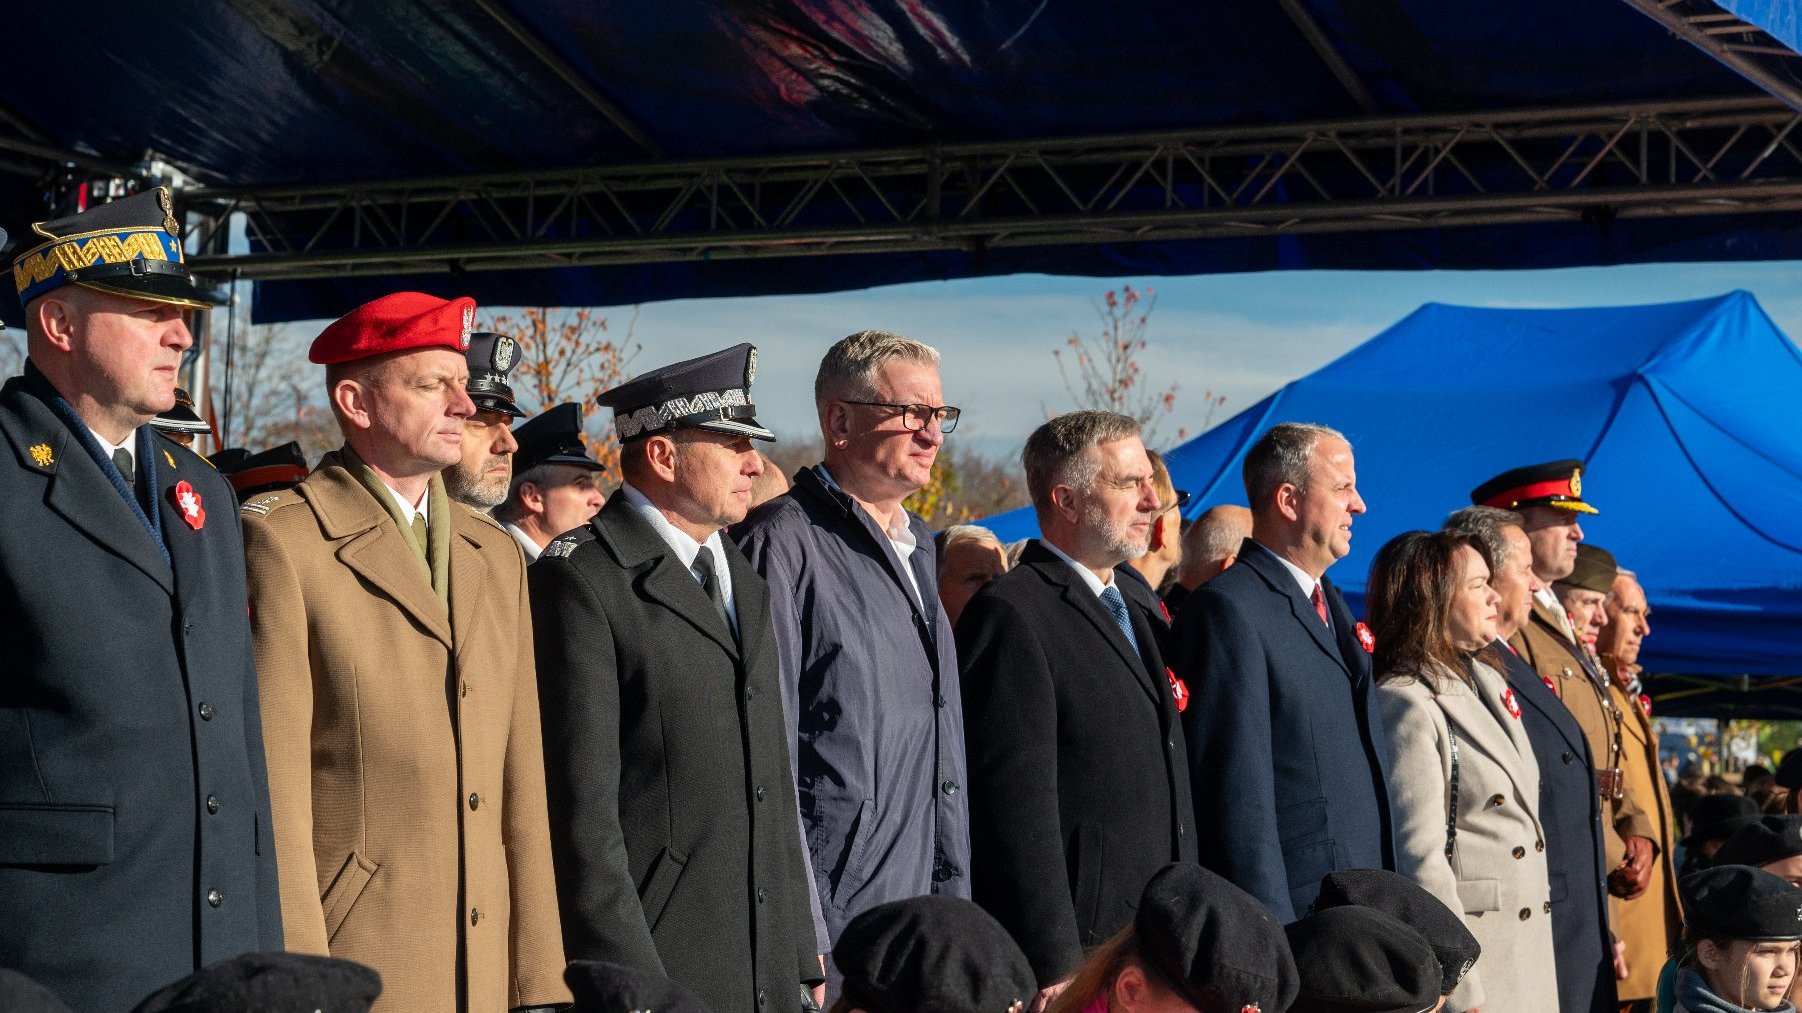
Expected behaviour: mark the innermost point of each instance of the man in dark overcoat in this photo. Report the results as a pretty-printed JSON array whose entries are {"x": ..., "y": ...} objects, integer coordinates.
[
  {"x": 672, "y": 800},
  {"x": 134, "y": 809},
  {"x": 1079, "y": 787},
  {"x": 1287, "y": 750}
]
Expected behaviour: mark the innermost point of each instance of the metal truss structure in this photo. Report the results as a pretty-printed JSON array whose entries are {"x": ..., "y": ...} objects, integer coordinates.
[
  {"x": 1745, "y": 48},
  {"x": 1597, "y": 163}
]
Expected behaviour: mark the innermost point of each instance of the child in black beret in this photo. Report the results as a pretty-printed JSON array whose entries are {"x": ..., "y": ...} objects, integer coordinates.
[{"x": 1741, "y": 942}]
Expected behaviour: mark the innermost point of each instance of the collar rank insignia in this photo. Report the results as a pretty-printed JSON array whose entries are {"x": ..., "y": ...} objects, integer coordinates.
[
  {"x": 169, "y": 457},
  {"x": 40, "y": 453}
]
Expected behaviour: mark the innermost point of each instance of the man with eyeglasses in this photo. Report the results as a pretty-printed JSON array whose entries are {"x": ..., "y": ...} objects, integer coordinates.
[
  {"x": 556, "y": 485},
  {"x": 869, "y": 673},
  {"x": 1079, "y": 779}
]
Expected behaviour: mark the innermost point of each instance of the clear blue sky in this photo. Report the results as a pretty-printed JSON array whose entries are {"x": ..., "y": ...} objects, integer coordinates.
[{"x": 1242, "y": 335}]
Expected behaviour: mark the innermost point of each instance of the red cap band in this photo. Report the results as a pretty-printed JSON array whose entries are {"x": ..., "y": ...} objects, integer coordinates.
[{"x": 1538, "y": 490}]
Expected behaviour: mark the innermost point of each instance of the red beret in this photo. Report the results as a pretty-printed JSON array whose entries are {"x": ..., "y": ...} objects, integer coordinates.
[{"x": 396, "y": 323}]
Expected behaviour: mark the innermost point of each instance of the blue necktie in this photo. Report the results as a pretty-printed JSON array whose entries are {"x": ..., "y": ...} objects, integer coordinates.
[{"x": 1116, "y": 607}]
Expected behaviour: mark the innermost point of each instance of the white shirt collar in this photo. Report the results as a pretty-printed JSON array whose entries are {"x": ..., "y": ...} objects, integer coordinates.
[
  {"x": 900, "y": 534},
  {"x": 525, "y": 541},
  {"x": 1095, "y": 584},
  {"x": 130, "y": 446},
  {"x": 408, "y": 510},
  {"x": 1303, "y": 579}
]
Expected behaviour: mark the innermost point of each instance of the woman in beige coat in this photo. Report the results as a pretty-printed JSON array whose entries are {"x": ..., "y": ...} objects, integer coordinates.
[{"x": 1464, "y": 786}]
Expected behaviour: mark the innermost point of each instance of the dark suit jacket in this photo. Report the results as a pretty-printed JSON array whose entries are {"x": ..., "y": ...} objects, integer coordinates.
[
  {"x": 1139, "y": 591},
  {"x": 1286, "y": 747},
  {"x": 672, "y": 805},
  {"x": 1078, "y": 785},
  {"x": 128, "y": 700},
  {"x": 1570, "y": 811}
]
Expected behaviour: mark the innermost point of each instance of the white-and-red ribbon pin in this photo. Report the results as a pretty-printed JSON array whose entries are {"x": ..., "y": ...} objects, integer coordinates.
[
  {"x": 188, "y": 502},
  {"x": 1366, "y": 639},
  {"x": 1512, "y": 705}
]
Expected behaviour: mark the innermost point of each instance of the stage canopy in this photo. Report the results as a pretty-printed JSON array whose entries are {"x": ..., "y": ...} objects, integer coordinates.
[
  {"x": 1686, "y": 414},
  {"x": 556, "y": 152}
]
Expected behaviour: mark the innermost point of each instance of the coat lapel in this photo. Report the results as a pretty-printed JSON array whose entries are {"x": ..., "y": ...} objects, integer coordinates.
[
  {"x": 1518, "y": 671},
  {"x": 1083, "y": 602},
  {"x": 1482, "y": 718},
  {"x": 1264, "y": 563},
  {"x": 77, "y": 489},
  {"x": 472, "y": 583},
  {"x": 371, "y": 545},
  {"x": 665, "y": 581},
  {"x": 750, "y": 598}
]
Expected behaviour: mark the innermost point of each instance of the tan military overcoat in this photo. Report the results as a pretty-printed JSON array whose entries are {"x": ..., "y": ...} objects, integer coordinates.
[
  {"x": 405, "y": 768},
  {"x": 1649, "y": 923}
]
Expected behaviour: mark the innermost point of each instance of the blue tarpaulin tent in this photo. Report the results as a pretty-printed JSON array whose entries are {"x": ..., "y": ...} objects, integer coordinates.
[{"x": 1686, "y": 413}]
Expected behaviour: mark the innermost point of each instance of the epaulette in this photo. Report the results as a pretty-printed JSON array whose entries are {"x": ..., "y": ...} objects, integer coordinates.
[
  {"x": 564, "y": 544},
  {"x": 261, "y": 505}
]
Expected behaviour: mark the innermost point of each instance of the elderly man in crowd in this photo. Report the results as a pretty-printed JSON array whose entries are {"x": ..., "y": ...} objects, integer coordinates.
[
  {"x": 969, "y": 556},
  {"x": 869, "y": 671},
  {"x": 1582, "y": 593},
  {"x": 1078, "y": 773},
  {"x": 1570, "y": 810},
  {"x": 394, "y": 650},
  {"x": 1286, "y": 747},
  {"x": 134, "y": 808},
  {"x": 1648, "y": 924},
  {"x": 479, "y": 479},
  {"x": 1210, "y": 545},
  {"x": 556, "y": 486},
  {"x": 671, "y": 795}
]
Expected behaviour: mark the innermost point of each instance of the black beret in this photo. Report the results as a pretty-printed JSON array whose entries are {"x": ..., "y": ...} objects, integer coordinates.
[
  {"x": 1770, "y": 839},
  {"x": 932, "y": 954},
  {"x": 1213, "y": 941},
  {"x": 1595, "y": 569},
  {"x": 1554, "y": 483},
  {"x": 1414, "y": 906},
  {"x": 603, "y": 987},
  {"x": 1789, "y": 772},
  {"x": 270, "y": 983},
  {"x": 1740, "y": 902},
  {"x": 1359, "y": 960},
  {"x": 19, "y": 994},
  {"x": 1718, "y": 817}
]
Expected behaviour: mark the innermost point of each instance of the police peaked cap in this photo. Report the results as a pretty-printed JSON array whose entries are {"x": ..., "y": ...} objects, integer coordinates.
[
  {"x": 553, "y": 436},
  {"x": 1414, "y": 906},
  {"x": 932, "y": 954},
  {"x": 711, "y": 392},
  {"x": 1212, "y": 942},
  {"x": 182, "y": 418},
  {"x": 1740, "y": 902},
  {"x": 276, "y": 468},
  {"x": 491, "y": 357}
]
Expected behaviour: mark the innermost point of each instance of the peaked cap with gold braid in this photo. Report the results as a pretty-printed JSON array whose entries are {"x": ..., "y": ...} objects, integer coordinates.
[{"x": 129, "y": 247}]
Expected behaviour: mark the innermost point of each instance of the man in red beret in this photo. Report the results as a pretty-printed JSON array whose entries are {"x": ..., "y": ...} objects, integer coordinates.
[{"x": 394, "y": 655}]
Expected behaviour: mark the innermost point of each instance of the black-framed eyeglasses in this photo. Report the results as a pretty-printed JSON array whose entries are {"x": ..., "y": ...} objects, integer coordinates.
[{"x": 916, "y": 416}]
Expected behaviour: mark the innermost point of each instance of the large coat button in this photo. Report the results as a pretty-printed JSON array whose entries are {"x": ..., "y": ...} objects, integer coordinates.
[
  {"x": 206, "y": 711},
  {"x": 475, "y": 801},
  {"x": 212, "y": 803},
  {"x": 1526, "y": 913},
  {"x": 1520, "y": 852},
  {"x": 215, "y": 898}
]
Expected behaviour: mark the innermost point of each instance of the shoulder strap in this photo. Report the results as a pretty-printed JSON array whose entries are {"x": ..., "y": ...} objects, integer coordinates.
[{"x": 1451, "y": 815}]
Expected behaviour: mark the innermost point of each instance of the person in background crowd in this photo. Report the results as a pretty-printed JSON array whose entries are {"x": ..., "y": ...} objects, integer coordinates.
[
  {"x": 969, "y": 556},
  {"x": 1013, "y": 550},
  {"x": 1789, "y": 777},
  {"x": 252, "y": 475},
  {"x": 1570, "y": 809},
  {"x": 394, "y": 649},
  {"x": 1155, "y": 569},
  {"x": 869, "y": 672},
  {"x": 1078, "y": 773},
  {"x": 556, "y": 486},
  {"x": 1712, "y": 820},
  {"x": 1650, "y": 923},
  {"x": 134, "y": 806},
  {"x": 769, "y": 483},
  {"x": 1773, "y": 844},
  {"x": 1285, "y": 743},
  {"x": 1359, "y": 960},
  {"x": 1754, "y": 778},
  {"x": 479, "y": 480},
  {"x": 1210, "y": 545},
  {"x": 1433, "y": 612},
  {"x": 181, "y": 423},
  {"x": 938, "y": 954},
  {"x": 1411, "y": 904},
  {"x": 1741, "y": 942},
  {"x": 1196, "y": 942},
  {"x": 1548, "y": 498},
  {"x": 1583, "y": 593},
  {"x": 672, "y": 808}
]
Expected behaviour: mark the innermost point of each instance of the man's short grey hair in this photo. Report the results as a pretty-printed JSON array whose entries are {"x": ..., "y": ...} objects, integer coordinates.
[
  {"x": 848, "y": 372},
  {"x": 1483, "y": 526},
  {"x": 1219, "y": 532},
  {"x": 958, "y": 534},
  {"x": 1281, "y": 457},
  {"x": 512, "y": 509},
  {"x": 1057, "y": 453}
]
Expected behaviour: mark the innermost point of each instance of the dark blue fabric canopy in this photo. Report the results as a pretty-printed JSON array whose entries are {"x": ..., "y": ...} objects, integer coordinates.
[
  {"x": 282, "y": 91},
  {"x": 1686, "y": 414}
]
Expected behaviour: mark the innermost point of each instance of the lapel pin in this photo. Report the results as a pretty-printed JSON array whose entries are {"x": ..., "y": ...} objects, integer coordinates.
[{"x": 188, "y": 501}]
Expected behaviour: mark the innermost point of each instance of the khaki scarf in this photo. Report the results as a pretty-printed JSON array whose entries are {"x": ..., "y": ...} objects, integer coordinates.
[{"x": 434, "y": 555}]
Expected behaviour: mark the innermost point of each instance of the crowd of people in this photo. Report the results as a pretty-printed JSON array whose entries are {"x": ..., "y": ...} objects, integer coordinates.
[{"x": 438, "y": 724}]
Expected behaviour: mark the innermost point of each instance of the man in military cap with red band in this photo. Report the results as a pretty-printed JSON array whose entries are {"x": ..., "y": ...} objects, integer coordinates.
[
  {"x": 134, "y": 810},
  {"x": 410, "y": 821},
  {"x": 1549, "y": 497}
]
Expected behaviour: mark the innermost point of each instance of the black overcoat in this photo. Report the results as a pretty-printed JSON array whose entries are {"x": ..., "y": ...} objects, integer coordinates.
[
  {"x": 1286, "y": 747},
  {"x": 672, "y": 801},
  {"x": 1079, "y": 787},
  {"x": 133, "y": 794},
  {"x": 1570, "y": 810}
]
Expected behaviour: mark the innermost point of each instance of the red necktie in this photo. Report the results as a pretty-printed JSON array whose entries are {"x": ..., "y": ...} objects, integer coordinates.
[{"x": 1320, "y": 605}]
